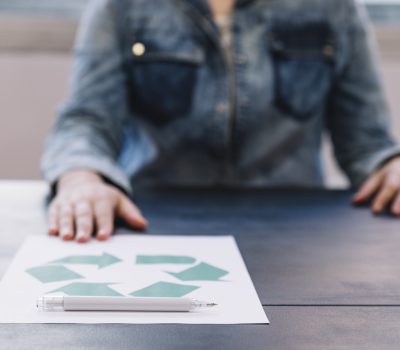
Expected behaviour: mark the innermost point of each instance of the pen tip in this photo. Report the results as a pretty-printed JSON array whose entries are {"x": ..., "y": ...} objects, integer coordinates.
[{"x": 212, "y": 304}]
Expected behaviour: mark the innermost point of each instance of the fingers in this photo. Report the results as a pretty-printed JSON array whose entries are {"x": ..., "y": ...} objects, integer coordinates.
[
  {"x": 370, "y": 186},
  {"x": 52, "y": 225},
  {"x": 78, "y": 209},
  {"x": 65, "y": 222},
  {"x": 385, "y": 186},
  {"x": 69, "y": 221},
  {"x": 104, "y": 217},
  {"x": 130, "y": 213},
  {"x": 396, "y": 205},
  {"x": 382, "y": 199},
  {"x": 390, "y": 189},
  {"x": 83, "y": 216}
]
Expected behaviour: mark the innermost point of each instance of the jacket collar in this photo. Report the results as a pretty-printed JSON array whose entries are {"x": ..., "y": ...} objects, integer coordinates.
[{"x": 204, "y": 8}]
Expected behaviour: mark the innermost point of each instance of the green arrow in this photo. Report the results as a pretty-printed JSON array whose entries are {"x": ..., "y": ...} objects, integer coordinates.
[
  {"x": 87, "y": 289},
  {"x": 164, "y": 259},
  {"x": 46, "y": 274},
  {"x": 200, "y": 272},
  {"x": 164, "y": 289},
  {"x": 99, "y": 260}
]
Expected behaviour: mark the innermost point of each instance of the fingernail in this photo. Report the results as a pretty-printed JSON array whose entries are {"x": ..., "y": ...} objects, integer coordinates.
[
  {"x": 52, "y": 231},
  {"x": 66, "y": 236},
  {"x": 81, "y": 236},
  {"x": 143, "y": 224},
  {"x": 139, "y": 218},
  {"x": 102, "y": 236},
  {"x": 104, "y": 232},
  {"x": 141, "y": 221}
]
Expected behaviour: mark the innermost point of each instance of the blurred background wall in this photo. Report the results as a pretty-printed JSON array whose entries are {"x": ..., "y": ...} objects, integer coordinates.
[{"x": 36, "y": 37}]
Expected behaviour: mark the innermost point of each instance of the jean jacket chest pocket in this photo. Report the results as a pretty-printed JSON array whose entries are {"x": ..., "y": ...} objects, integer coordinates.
[
  {"x": 163, "y": 80},
  {"x": 303, "y": 58}
]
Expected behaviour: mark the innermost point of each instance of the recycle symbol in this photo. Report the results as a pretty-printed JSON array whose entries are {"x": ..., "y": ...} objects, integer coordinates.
[{"x": 57, "y": 271}]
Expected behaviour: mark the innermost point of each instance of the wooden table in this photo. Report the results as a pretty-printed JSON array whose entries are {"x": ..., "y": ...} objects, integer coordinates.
[{"x": 327, "y": 274}]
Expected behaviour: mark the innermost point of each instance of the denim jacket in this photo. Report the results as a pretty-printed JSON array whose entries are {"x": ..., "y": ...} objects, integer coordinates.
[{"x": 154, "y": 100}]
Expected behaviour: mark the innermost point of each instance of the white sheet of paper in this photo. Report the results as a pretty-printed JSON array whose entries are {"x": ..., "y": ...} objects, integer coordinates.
[{"x": 27, "y": 279}]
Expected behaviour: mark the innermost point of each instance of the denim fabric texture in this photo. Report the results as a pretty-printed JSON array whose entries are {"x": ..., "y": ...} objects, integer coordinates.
[{"x": 153, "y": 99}]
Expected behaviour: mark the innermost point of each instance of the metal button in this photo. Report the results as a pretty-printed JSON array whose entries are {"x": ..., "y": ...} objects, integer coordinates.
[
  {"x": 138, "y": 49},
  {"x": 328, "y": 50}
]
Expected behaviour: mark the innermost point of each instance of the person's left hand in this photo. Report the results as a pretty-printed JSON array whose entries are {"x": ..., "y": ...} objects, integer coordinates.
[{"x": 384, "y": 186}]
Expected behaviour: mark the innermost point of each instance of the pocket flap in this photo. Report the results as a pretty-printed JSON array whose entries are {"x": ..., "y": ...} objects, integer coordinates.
[
  {"x": 302, "y": 41},
  {"x": 145, "y": 51}
]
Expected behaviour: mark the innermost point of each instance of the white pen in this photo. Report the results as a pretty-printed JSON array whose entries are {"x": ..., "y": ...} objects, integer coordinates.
[{"x": 95, "y": 303}]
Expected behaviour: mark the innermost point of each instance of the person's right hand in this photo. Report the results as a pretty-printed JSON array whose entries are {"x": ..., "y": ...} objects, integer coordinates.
[{"x": 86, "y": 204}]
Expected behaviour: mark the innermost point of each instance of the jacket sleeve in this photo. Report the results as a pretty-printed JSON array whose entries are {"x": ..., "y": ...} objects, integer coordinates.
[
  {"x": 358, "y": 117},
  {"x": 88, "y": 131}
]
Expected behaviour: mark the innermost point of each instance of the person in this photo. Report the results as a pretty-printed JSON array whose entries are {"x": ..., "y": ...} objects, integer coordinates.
[{"x": 217, "y": 92}]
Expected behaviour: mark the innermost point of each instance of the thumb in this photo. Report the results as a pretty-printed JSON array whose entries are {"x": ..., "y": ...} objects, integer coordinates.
[{"x": 130, "y": 213}]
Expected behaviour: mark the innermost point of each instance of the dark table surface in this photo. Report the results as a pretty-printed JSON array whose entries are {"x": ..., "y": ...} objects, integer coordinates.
[
  {"x": 327, "y": 274},
  {"x": 301, "y": 247}
]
